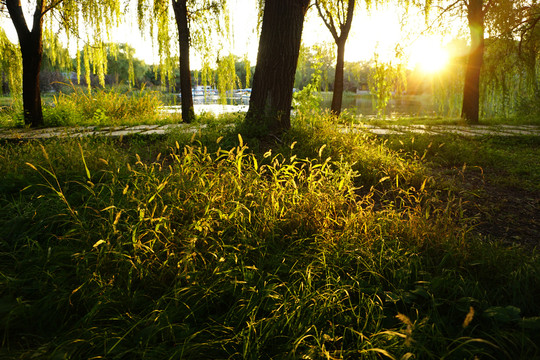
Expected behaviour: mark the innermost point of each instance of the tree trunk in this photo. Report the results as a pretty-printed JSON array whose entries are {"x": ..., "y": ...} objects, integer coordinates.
[
  {"x": 471, "y": 91},
  {"x": 337, "y": 97},
  {"x": 340, "y": 33},
  {"x": 277, "y": 57},
  {"x": 181, "y": 16},
  {"x": 32, "y": 54}
]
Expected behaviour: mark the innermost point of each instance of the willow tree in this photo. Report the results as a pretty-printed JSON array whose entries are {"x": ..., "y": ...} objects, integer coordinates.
[
  {"x": 277, "y": 57},
  {"x": 495, "y": 18},
  {"x": 94, "y": 16},
  {"x": 195, "y": 21},
  {"x": 10, "y": 65},
  {"x": 337, "y": 15}
]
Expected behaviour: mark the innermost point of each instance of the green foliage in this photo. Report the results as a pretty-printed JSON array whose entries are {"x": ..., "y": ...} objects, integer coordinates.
[
  {"x": 510, "y": 80},
  {"x": 97, "y": 17},
  {"x": 11, "y": 66},
  {"x": 384, "y": 80},
  {"x": 306, "y": 102},
  {"x": 247, "y": 69},
  {"x": 227, "y": 80},
  {"x": 55, "y": 54},
  {"x": 319, "y": 58}
]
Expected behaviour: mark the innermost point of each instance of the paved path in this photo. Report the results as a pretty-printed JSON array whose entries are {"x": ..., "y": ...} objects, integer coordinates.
[
  {"x": 117, "y": 131},
  {"x": 464, "y": 130}
]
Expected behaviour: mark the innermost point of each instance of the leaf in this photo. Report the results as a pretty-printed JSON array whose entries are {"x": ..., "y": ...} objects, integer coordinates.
[
  {"x": 98, "y": 243},
  {"x": 117, "y": 218},
  {"x": 321, "y": 150},
  {"x": 32, "y": 166},
  {"x": 531, "y": 323},
  {"x": 503, "y": 314},
  {"x": 423, "y": 185},
  {"x": 84, "y": 162},
  {"x": 240, "y": 140},
  {"x": 468, "y": 318}
]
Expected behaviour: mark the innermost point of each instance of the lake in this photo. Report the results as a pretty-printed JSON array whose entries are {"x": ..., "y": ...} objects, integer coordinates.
[{"x": 359, "y": 105}]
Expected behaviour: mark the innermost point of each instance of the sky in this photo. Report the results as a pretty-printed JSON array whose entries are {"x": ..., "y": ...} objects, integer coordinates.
[{"x": 375, "y": 30}]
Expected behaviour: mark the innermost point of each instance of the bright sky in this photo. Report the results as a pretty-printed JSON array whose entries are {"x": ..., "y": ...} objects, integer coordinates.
[{"x": 377, "y": 30}]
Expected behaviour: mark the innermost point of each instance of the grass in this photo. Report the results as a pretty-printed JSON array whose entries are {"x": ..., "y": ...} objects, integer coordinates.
[
  {"x": 98, "y": 108},
  {"x": 102, "y": 107},
  {"x": 217, "y": 246}
]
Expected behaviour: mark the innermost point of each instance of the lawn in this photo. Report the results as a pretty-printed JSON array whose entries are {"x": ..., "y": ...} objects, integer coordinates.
[{"x": 321, "y": 245}]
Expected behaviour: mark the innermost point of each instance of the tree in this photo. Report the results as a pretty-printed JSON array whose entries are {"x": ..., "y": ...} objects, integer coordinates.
[
  {"x": 337, "y": 15},
  {"x": 192, "y": 19},
  {"x": 471, "y": 89},
  {"x": 123, "y": 67},
  {"x": 96, "y": 15},
  {"x": 277, "y": 57},
  {"x": 494, "y": 17},
  {"x": 182, "y": 22},
  {"x": 320, "y": 57}
]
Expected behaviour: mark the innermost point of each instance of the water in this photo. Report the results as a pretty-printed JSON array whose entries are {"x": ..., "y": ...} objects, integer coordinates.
[
  {"x": 406, "y": 105},
  {"x": 216, "y": 109},
  {"x": 359, "y": 105}
]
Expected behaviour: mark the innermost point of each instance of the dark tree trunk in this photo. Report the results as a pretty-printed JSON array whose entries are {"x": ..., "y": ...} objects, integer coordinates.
[
  {"x": 337, "y": 97},
  {"x": 277, "y": 57},
  {"x": 32, "y": 54},
  {"x": 471, "y": 91},
  {"x": 181, "y": 16}
]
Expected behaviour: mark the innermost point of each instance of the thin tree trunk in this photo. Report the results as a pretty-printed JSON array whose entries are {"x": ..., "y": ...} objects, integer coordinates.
[
  {"x": 277, "y": 57},
  {"x": 340, "y": 32},
  {"x": 181, "y": 16},
  {"x": 471, "y": 91},
  {"x": 32, "y": 54},
  {"x": 337, "y": 97}
]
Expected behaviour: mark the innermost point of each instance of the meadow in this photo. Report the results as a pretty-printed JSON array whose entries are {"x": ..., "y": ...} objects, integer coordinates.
[{"x": 220, "y": 245}]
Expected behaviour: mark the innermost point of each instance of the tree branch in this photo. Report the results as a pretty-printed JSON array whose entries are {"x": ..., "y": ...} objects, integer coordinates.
[
  {"x": 38, "y": 17},
  {"x": 346, "y": 27},
  {"x": 329, "y": 22},
  {"x": 17, "y": 17},
  {"x": 52, "y": 6}
]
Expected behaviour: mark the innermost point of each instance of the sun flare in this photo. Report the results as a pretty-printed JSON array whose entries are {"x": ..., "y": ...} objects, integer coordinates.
[{"x": 428, "y": 55}]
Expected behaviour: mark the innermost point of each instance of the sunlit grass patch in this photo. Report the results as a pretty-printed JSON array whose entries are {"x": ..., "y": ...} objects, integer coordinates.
[{"x": 104, "y": 108}]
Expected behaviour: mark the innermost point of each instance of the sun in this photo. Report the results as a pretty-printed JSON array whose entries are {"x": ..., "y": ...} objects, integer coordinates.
[{"x": 428, "y": 55}]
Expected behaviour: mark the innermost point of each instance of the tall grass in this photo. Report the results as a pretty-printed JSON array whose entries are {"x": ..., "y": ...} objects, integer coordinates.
[
  {"x": 104, "y": 107},
  {"x": 329, "y": 246}
]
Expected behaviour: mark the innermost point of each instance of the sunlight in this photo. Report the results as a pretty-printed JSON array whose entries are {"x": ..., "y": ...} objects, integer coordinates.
[{"x": 428, "y": 55}]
